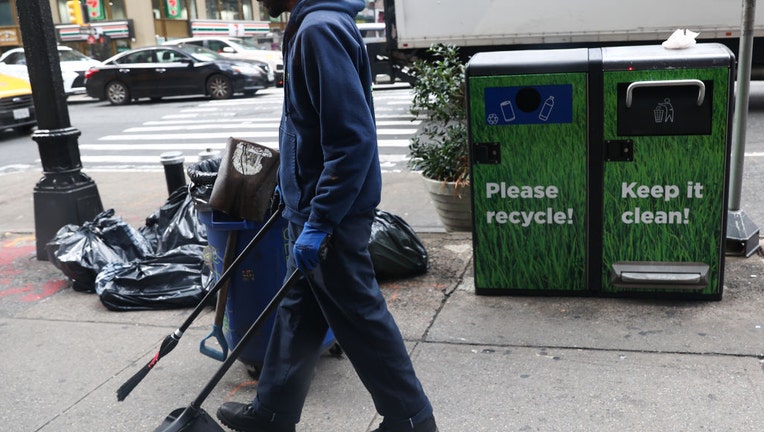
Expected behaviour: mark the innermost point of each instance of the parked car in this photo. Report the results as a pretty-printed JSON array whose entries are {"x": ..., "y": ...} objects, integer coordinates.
[
  {"x": 238, "y": 49},
  {"x": 159, "y": 71},
  {"x": 16, "y": 104},
  {"x": 74, "y": 64}
]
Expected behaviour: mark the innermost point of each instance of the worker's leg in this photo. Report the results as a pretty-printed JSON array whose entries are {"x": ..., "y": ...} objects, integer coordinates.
[{"x": 347, "y": 290}]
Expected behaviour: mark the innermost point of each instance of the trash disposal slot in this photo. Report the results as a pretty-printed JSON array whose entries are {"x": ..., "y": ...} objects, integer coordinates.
[
  {"x": 640, "y": 275},
  {"x": 666, "y": 83}
]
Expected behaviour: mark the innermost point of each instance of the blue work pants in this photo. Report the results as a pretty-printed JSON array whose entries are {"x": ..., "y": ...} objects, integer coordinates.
[{"x": 342, "y": 293}]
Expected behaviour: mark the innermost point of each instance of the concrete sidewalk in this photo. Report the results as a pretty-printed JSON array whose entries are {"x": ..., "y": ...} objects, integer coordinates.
[{"x": 489, "y": 364}]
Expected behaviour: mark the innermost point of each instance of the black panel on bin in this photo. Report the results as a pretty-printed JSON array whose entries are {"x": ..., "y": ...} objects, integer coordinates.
[{"x": 665, "y": 110}]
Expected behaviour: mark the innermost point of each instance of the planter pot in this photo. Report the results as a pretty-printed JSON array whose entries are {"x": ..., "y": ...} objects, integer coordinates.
[{"x": 454, "y": 205}]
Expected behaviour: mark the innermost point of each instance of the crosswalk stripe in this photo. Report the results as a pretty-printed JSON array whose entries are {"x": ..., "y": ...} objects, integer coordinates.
[
  {"x": 247, "y": 125},
  {"x": 154, "y": 159},
  {"x": 394, "y": 143},
  {"x": 189, "y": 136},
  {"x": 382, "y": 120},
  {"x": 207, "y": 126},
  {"x": 243, "y": 134},
  {"x": 272, "y": 122}
]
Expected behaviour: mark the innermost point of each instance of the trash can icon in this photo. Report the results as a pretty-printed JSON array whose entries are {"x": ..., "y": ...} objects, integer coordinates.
[{"x": 659, "y": 111}]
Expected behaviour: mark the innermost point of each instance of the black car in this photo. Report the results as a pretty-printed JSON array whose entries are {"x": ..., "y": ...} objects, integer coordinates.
[{"x": 155, "y": 72}]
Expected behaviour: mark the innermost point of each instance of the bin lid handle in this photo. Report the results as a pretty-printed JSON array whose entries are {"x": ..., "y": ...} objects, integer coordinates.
[{"x": 667, "y": 83}]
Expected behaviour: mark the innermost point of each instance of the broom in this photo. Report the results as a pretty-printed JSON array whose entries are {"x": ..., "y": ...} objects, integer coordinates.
[{"x": 171, "y": 341}]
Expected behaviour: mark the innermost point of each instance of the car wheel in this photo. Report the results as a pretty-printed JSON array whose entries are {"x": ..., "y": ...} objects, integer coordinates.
[
  {"x": 117, "y": 93},
  {"x": 219, "y": 87}
]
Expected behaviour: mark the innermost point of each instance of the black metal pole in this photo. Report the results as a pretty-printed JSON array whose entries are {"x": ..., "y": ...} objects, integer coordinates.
[{"x": 64, "y": 195}]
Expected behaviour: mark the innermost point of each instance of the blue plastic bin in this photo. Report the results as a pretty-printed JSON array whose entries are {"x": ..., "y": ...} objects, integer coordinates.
[{"x": 254, "y": 282}]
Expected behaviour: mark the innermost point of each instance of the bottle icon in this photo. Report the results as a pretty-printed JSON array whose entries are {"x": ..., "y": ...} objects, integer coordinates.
[{"x": 546, "y": 110}]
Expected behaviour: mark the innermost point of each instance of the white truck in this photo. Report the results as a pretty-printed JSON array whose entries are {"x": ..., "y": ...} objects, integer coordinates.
[{"x": 489, "y": 25}]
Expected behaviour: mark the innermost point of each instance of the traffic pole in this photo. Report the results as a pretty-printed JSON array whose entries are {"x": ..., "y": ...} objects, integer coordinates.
[
  {"x": 742, "y": 231},
  {"x": 64, "y": 195}
]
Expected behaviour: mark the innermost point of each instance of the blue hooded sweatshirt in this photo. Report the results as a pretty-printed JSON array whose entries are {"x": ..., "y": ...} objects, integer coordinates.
[{"x": 329, "y": 166}]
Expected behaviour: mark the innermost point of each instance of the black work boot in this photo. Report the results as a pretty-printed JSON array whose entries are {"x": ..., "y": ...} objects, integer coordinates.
[
  {"x": 240, "y": 417},
  {"x": 426, "y": 426}
]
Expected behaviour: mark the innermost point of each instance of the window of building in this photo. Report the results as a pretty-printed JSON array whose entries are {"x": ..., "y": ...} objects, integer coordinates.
[
  {"x": 230, "y": 10},
  {"x": 6, "y": 13},
  {"x": 211, "y": 9},
  {"x": 116, "y": 9}
]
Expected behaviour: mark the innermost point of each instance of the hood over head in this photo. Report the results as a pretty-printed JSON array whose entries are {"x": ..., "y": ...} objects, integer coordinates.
[
  {"x": 303, "y": 7},
  {"x": 352, "y": 7}
]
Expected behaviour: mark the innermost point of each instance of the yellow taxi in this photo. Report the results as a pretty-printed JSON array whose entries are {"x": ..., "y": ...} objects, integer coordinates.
[{"x": 16, "y": 104}]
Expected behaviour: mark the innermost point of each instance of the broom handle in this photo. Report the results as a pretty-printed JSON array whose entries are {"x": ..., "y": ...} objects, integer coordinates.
[
  {"x": 269, "y": 309},
  {"x": 230, "y": 251},
  {"x": 228, "y": 272}
]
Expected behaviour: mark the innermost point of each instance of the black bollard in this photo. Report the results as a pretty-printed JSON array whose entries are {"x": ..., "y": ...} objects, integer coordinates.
[{"x": 174, "y": 174}]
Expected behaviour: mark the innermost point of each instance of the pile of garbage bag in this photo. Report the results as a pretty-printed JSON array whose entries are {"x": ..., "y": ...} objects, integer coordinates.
[
  {"x": 162, "y": 265},
  {"x": 158, "y": 266}
]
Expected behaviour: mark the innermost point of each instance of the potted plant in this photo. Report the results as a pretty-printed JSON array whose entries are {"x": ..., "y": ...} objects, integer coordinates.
[{"x": 440, "y": 149}]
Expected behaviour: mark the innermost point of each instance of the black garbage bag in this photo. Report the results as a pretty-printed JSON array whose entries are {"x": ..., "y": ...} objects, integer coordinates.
[
  {"x": 80, "y": 252},
  {"x": 175, "y": 279},
  {"x": 63, "y": 237},
  {"x": 174, "y": 224},
  {"x": 395, "y": 249},
  {"x": 203, "y": 175}
]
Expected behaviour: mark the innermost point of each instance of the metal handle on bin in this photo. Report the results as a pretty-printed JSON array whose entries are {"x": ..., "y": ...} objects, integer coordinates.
[{"x": 667, "y": 83}]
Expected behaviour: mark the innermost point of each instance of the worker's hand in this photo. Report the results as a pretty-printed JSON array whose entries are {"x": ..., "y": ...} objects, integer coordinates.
[
  {"x": 307, "y": 248},
  {"x": 277, "y": 202}
]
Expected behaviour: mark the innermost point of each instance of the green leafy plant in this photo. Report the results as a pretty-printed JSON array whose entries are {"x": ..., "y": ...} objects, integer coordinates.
[{"x": 440, "y": 149}]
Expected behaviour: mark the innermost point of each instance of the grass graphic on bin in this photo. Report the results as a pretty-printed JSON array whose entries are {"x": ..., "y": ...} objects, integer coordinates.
[
  {"x": 685, "y": 161},
  {"x": 545, "y": 254}
]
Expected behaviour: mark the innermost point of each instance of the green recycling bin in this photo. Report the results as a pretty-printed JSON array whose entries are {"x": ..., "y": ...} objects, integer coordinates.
[
  {"x": 528, "y": 144},
  {"x": 600, "y": 171}
]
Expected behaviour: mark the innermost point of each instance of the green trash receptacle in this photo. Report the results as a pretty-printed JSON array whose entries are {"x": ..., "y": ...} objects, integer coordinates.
[
  {"x": 600, "y": 171},
  {"x": 528, "y": 142}
]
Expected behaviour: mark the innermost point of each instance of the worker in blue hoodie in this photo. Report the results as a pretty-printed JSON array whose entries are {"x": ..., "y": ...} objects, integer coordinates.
[{"x": 330, "y": 182}]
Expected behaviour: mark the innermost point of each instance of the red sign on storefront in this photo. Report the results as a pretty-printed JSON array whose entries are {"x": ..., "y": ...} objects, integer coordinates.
[
  {"x": 172, "y": 8},
  {"x": 96, "y": 10}
]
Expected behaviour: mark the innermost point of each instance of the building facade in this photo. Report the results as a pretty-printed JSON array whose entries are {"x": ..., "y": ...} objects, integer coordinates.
[{"x": 118, "y": 25}]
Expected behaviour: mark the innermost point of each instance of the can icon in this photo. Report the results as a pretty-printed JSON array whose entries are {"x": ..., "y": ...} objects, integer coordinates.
[{"x": 507, "y": 111}]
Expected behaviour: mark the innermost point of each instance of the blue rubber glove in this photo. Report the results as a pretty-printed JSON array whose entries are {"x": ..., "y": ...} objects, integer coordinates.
[{"x": 307, "y": 248}]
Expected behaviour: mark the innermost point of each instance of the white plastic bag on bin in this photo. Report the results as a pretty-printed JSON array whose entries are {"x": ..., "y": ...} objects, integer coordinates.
[{"x": 680, "y": 39}]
